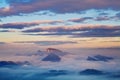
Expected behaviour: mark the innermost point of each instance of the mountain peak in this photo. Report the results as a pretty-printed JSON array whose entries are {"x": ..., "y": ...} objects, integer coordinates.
[
  {"x": 52, "y": 57},
  {"x": 50, "y": 50},
  {"x": 91, "y": 72}
]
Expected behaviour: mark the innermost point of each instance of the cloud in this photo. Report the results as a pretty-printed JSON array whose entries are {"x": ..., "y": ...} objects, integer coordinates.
[
  {"x": 80, "y": 19},
  {"x": 35, "y": 73},
  {"x": 111, "y": 41},
  {"x": 110, "y": 48},
  {"x": 78, "y": 31},
  {"x": 99, "y": 18},
  {"x": 71, "y": 28},
  {"x": 117, "y": 16},
  {"x": 100, "y": 33},
  {"x": 2, "y": 43},
  {"x": 17, "y": 25},
  {"x": 46, "y": 43},
  {"x": 17, "y": 7},
  {"x": 21, "y": 25},
  {"x": 0, "y": 20},
  {"x": 102, "y": 18},
  {"x": 21, "y": 74},
  {"x": 103, "y": 13},
  {"x": 7, "y": 30}
]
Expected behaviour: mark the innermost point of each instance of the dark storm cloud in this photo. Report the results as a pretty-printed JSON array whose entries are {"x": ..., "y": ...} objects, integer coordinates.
[
  {"x": 78, "y": 31},
  {"x": 45, "y": 43},
  {"x": 58, "y": 6}
]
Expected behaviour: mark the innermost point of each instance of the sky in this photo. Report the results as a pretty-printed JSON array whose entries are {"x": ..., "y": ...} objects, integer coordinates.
[{"x": 83, "y": 24}]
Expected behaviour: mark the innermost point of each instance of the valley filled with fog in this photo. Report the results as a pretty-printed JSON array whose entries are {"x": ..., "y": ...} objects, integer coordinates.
[{"x": 55, "y": 64}]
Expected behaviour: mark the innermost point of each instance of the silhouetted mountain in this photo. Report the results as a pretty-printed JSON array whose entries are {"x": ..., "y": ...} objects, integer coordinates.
[
  {"x": 99, "y": 58},
  {"x": 7, "y": 63},
  {"x": 12, "y": 63},
  {"x": 52, "y": 57},
  {"x": 91, "y": 72}
]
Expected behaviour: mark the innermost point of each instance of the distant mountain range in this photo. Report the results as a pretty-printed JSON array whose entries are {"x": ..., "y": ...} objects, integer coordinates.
[
  {"x": 13, "y": 64},
  {"x": 99, "y": 58},
  {"x": 91, "y": 72},
  {"x": 55, "y": 73},
  {"x": 56, "y": 55}
]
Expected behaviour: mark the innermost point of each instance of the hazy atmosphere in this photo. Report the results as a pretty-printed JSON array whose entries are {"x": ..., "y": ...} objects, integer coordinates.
[{"x": 59, "y": 39}]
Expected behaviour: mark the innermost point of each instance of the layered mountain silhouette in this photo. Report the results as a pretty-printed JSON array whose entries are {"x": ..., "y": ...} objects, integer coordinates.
[{"x": 99, "y": 58}]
